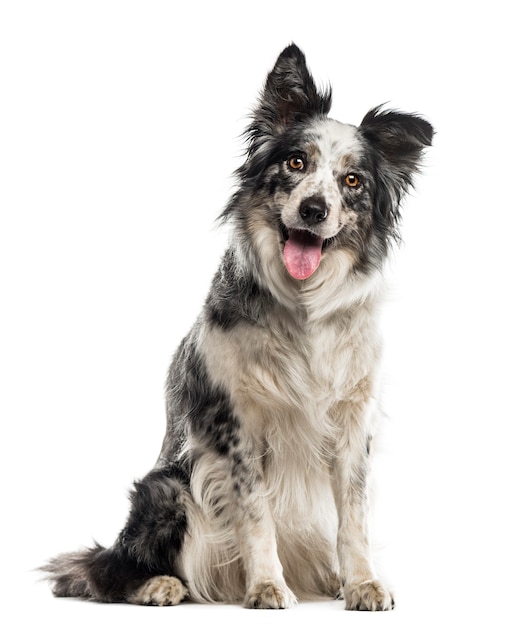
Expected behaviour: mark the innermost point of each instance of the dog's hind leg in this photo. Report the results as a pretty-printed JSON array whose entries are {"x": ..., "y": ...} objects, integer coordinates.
[
  {"x": 155, "y": 532},
  {"x": 140, "y": 566}
]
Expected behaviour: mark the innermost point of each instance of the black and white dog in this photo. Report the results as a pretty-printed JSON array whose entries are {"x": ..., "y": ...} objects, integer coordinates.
[{"x": 259, "y": 494}]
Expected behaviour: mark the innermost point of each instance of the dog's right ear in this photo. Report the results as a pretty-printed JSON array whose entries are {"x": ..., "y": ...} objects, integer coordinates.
[{"x": 290, "y": 95}]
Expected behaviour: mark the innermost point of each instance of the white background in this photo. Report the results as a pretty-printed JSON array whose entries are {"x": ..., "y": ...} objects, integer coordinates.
[{"x": 119, "y": 131}]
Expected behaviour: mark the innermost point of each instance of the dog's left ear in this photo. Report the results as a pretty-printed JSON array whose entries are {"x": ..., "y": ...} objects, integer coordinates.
[
  {"x": 290, "y": 95},
  {"x": 400, "y": 138}
]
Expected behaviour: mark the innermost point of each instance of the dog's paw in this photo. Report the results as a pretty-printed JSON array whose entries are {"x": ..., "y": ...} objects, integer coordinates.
[
  {"x": 269, "y": 594},
  {"x": 370, "y": 595},
  {"x": 159, "y": 591}
]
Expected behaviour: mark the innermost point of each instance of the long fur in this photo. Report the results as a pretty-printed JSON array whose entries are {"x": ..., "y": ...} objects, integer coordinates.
[{"x": 259, "y": 494}]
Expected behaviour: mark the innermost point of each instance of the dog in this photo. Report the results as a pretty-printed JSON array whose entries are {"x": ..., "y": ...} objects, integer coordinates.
[{"x": 259, "y": 494}]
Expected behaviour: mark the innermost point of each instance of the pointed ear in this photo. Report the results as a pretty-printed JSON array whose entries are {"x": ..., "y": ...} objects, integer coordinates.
[
  {"x": 400, "y": 138},
  {"x": 289, "y": 96}
]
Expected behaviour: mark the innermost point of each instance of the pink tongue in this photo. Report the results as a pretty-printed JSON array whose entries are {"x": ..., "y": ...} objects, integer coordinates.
[{"x": 302, "y": 254}]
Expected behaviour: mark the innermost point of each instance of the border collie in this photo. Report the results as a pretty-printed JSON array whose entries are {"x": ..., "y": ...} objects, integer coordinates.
[{"x": 259, "y": 494}]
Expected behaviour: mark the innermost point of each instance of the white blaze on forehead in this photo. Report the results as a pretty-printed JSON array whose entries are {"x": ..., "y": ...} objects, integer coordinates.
[{"x": 336, "y": 141}]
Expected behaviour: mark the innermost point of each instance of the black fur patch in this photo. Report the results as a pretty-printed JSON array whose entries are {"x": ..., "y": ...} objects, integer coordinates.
[
  {"x": 157, "y": 522},
  {"x": 236, "y": 297},
  {"x": 396, "y": 142},
  {"x": 196, "y": 401}
]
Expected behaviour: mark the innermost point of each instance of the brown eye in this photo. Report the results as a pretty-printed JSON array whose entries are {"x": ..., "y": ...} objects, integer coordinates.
[
  {"x": 352, "y": 180},
  {"x": 296, "y": 163}
]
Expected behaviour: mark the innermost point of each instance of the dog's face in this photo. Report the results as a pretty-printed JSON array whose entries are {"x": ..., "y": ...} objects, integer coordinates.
[
  {"x": 318, "y": 187},
  {"x": 321, "y": 188},
  {"x": 321, "y": 194}
]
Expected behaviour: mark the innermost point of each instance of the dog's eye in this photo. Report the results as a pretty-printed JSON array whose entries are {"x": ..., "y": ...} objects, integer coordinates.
[
  {"x": 352, "y": 180},
  {"x": 296, "y": 163}
]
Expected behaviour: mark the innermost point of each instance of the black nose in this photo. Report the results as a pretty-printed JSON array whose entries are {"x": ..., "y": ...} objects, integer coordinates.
[{"x": 313, "y": 210}]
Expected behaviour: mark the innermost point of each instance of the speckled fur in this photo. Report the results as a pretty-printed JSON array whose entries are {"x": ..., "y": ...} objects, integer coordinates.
[{"x": 259, "y": 494}]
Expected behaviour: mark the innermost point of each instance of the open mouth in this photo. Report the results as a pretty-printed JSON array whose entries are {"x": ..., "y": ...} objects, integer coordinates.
[{"x": 302, "y": 252}]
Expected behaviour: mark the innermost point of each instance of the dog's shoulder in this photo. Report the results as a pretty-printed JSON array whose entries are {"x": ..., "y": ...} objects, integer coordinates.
[{"x": 236, "y": 296}]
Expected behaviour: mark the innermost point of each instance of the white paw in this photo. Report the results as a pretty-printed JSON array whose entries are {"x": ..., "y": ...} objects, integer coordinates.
[
  {"x": 160, "y": 591},
  {"x": 269, "y": 594},
  {"x": 370, "y": 595}
]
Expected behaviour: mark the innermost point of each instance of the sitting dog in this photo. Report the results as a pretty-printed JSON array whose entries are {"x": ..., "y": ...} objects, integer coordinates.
[{"x": 259, "y": 494}]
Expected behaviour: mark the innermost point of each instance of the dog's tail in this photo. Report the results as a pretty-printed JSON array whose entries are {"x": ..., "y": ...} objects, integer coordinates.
[
  {"x": 70, "y": 574},
  {"x": 102, "y": 574}
]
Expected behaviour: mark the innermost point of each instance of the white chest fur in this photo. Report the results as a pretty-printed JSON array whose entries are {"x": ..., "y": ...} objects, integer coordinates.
[{"x": 278, "y": 373}]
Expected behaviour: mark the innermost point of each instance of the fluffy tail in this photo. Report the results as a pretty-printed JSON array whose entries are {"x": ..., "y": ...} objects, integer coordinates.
[
  {"x": 69, "y": 574},
  {"x": 102, "y": 574}
]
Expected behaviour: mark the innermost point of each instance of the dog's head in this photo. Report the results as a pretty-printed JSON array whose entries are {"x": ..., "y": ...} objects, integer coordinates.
[{"x": 323, "y": 187}]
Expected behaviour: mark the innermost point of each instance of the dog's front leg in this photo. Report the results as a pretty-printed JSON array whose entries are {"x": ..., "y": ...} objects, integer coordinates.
[
  {"x": 350, "y": 473},
  {"x": 265, "y": 584}
]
